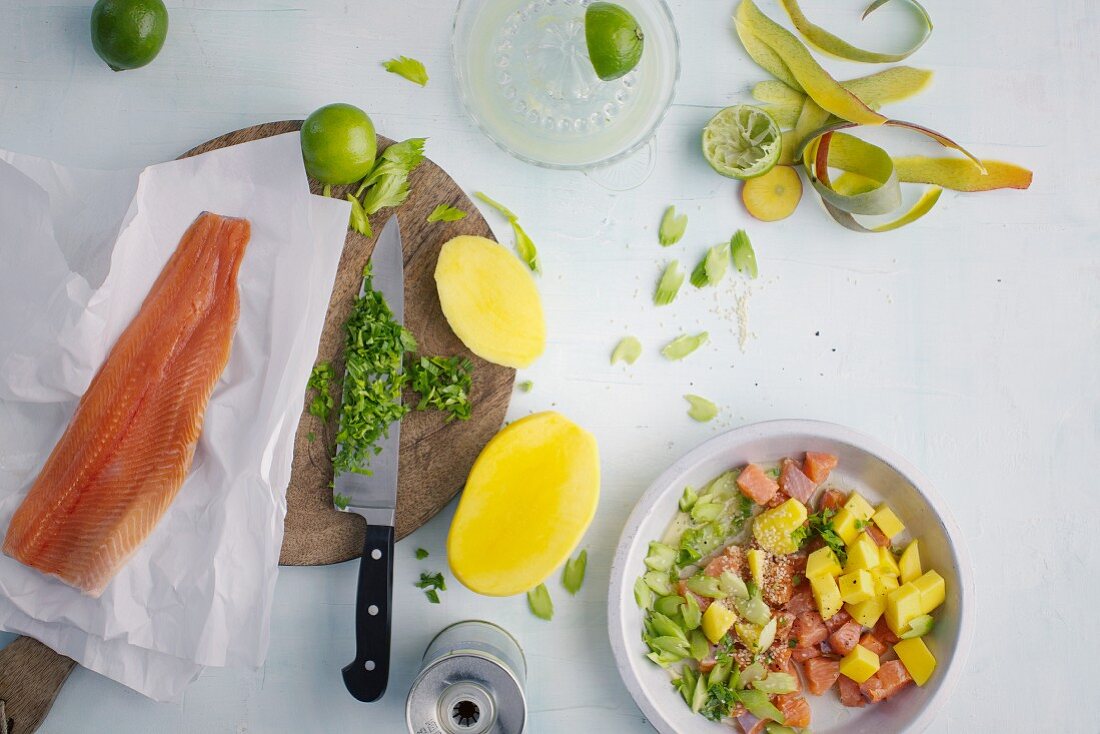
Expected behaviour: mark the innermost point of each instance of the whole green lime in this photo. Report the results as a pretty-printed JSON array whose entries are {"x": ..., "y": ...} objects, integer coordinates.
[
  {"x": 128, "y": 34},
  {"x": 338, "y": 144},
  {"x": 614, "y": 40}
]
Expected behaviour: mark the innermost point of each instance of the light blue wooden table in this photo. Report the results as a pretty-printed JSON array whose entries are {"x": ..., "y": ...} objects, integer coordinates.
[{"x": 969, "y": 341}]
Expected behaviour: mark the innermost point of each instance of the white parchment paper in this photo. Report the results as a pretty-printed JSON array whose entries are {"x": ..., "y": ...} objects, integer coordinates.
[{"x": 79, "y": 250}]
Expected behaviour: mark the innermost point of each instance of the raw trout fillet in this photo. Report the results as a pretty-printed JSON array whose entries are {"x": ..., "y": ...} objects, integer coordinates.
[{"x": 129, "y": 446}]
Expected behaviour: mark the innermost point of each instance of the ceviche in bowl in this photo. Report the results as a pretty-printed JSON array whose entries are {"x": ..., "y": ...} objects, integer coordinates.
[{"x": 789, "y": 575}]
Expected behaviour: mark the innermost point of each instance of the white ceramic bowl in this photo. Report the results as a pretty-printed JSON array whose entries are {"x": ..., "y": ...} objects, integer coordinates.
[{"x": 876, "y": 472}]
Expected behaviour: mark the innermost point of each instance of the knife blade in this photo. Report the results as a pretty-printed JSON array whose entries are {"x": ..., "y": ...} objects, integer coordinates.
[{"x": 374, "y": 496}]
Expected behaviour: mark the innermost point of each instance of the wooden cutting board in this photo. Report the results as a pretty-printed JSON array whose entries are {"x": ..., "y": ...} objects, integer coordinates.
[{"x": 435, "y": 456}]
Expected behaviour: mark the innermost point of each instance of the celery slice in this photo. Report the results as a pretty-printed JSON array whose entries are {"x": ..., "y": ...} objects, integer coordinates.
[
  {"x": 706, "y": 511},
  {"x": 682, "y": 346},
  {"x": 705, "y": 586},
  {"x": 672, "y": 227},
  {"x": 712, "y": 268},
  {"x": 573, "y": 575},
  {"x": 538, "y": 599},
  {"x": 733, "y": 585},
  {"x": 702, "y": 410},
  {"x": 691, "y": 613},
  {"x": 668, "y": 605},
  {"x": 658, "y": 582},
  {"x": 627, "y": 350},
  {"x": 744, "y": 257},
  {"x": 700, "y": 647},
  {"x": 688, "y": 498},
  {"x": 643, "y": 595},
  {"x": 776, "y": 683},
  {"x": 663, "y": 626},
  {"x": 669, "y": 285},
  {"x": 760, "y": 706},
  {"x": 660, "y": 556}
]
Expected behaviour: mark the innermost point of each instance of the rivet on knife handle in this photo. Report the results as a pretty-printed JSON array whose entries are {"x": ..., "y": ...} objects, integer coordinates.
[{"x": 366, "y": 677}]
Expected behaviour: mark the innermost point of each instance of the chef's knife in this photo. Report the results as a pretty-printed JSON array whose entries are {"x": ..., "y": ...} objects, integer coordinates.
[{"x": 374, "y": 496}]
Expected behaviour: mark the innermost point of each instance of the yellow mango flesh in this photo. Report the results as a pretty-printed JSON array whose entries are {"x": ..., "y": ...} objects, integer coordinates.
[
  {"x": 755, "y": 557},
  {"x": 860, "y": 664},
  {"x": 822, "y": 562},
  {"x": 917, "y": 659},
  {"x": 909, "y": 563},
  {"x": 902, "y": 604},
  {"x": 772, "y": 528},
  {"x": 856, "y": 587},
  {"x": 887, "y": 521},
  {"x": 933, "y": 591},
  {"x": 717, "y": 620},
  {"x": 844, "y": 525},
  {"x": 490, "y": 301},
  {"x": 827, "y": 595},
  {"x": 859, "y": 507},
  {"x": 862, "y": 555},
  {"x": 867, "y": 612},
  {"x": 528, "y": 500}
]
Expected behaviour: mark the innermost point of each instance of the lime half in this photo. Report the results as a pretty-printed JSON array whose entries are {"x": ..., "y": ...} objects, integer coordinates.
[
  {"x": 614, "y": 40},
  {"x": 742, "y": 142}
]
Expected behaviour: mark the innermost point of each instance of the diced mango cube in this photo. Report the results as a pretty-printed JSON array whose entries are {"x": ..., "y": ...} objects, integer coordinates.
[
  {"x": 717, "y": 620},
  {"x": 862, "y": 554},
  {"x": 822, "y": 562},
  {"x": 933, "y": 591},
  {"x": 860, "y": 664},
  {"x": 867, "y": 612},
  {"x": 887, "y": 521},
  {"x": 917, "y": 659},
  {"x": 884, "y": 584},
  {"x": 844, "y": 525},
  {"x": 909, "y": 563},
  {"x": 827, "y": 595},
  {"x": 856, "y": 587},
  {"x": 902, "y": 604},
  {"x": 887, "y": 563},
  {"x": 756, "y": 559},
  {"x": 772, "y": 528},
  {"x": 859, "y": 507}
]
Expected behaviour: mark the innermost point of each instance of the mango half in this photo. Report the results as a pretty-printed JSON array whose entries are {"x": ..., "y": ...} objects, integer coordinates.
[
  {"x": 490, "y": 301},
  {"x": 529, "y": 498}
]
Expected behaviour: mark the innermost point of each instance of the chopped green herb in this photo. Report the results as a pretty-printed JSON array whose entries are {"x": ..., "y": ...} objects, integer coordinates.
[
  {"x": 443, "y": 383},
  {"x": 720, "y": 702},
  {"x": 525, "y": 386},
  {"x": 744, "y": 257},
  {"x": 431, "y": 581},
  {"x": 340, "y": 501},
  {"x": 446, "y": 213},
  {"x": 861, "y": 524},
  {"x": 796, "y": 579},
  {"x": 682, "y": 346},
  {"x": 792, "y": 642},
  {"x": 311, "y": 437},
  {"x": 538, "y": 599},
  {"x": 669, "y": 284},
  {"x": 672, "y": 227},
  {"x": 712, "y": 268},
  {"x": 410, "y": 69},
  {"x": 375, "y": 348},
  {"x": 421, "y": 554},
  {"x": 627, "y": 350},
  {"x": 701, "y": 409},
  {"x": 820, "y": 524},
  {"x": 320, "y": 379},
  {"x": 573, "y": 575}
]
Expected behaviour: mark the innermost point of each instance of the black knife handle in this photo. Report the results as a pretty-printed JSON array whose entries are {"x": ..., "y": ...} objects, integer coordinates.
[{"x": 367, "y": 676}]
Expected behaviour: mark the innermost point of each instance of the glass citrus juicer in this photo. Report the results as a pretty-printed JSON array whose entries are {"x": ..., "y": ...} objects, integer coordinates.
[{"x": 525, "y": 77}]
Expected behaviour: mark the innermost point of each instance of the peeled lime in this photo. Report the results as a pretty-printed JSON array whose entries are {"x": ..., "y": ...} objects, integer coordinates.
[
  {"x": 614, "y": 40},
  {"x": 742, "y": 142},
  {"x": 128, "y": 34},
  {"x": 338, "y": 144}
]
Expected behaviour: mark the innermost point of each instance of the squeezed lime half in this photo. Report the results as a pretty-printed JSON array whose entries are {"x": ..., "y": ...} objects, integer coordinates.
[
  {"x": 614, "y": 40},
  {"x": 742, "y": 142}
]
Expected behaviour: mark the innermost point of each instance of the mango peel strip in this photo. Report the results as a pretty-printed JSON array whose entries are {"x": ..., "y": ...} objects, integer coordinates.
[
  {"x": 781, "y": 54},
  {"x": 837, "y": 46}
]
